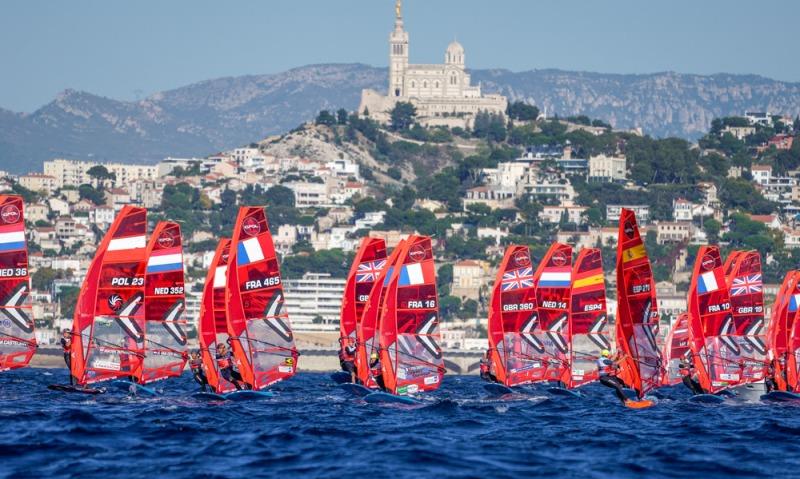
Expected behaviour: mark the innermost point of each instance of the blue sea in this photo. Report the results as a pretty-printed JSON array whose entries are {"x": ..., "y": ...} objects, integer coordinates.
[{"x": 310, "y": 428}]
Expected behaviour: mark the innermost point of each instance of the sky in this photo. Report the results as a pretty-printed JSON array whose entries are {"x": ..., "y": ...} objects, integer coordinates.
[{"x": 130, "y": 49}]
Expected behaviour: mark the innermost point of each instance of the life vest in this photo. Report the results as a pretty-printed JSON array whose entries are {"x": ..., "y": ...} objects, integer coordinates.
[
  {"x": 685, "y": 368},
  {"x": 376, "y": 369},
  {"x": 196, "y": 364},
  {"x": 65, "y": 345},
  {"x": 484, "y": 366},
  {"x": 346, "y": 356},
  {"x": 224, "y": 362},
  {"x": 605, "y": 367}
]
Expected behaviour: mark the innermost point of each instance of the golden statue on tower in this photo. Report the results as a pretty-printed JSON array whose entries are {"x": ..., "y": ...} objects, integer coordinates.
[{"x": 398, "y": 7}]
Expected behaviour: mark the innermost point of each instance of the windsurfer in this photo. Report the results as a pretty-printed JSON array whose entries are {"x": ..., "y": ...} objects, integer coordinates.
[
  {"x": 225, "y": 364},
  {"x": 196, "y": 363},
  {"x": 607, "y": 369},
  {"x": 66, "y": 345},
  {"x": 376, "y": 368},
  {"x": 689, "y": 375},
  {"x": 347, "y": 360},
  {"x": 486, "y": 367}
]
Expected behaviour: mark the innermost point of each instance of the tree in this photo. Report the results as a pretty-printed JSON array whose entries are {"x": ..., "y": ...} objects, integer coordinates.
[
  {"x": 325, "y": 118},
  {"x": 100, "y": 174},
  {"x": 403, "y": 116},
  {"x": 68, "y": 298},
  {"x": 341, "y": 116},
  {"x": 522, "y": 111},
  {"x": 88, "y": 192},
  {"x": 43, "y": 278}
]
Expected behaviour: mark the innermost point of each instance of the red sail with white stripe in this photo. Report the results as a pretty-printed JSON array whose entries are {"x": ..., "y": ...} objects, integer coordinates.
[
  {"x": 676, "y": 345},
  {"x": 512, "y": 319},
  {"x": 747, "y": 331},
  {"x": 368, "y": 332},
  {"x": 637, "y": 310},
  {"x": 213, "y": 324},
  {"x": 409, "y": 329},
  {"x": 368, "y": 265},
  {"x": 165, "y": 325},
  {"x": 261, "y": 334},
  {"x": 715, "y": 351},
  {"x": 781, "y": 326},
  {"x": 588, "y": 320},
  {"x": 553, "y": 280},
  {"x": 108, "y": 326},
  {"x": 17, "y": 338}
]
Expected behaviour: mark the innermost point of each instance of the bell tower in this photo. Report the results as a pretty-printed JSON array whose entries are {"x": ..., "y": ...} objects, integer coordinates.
[{"x": 398, "y": 54}]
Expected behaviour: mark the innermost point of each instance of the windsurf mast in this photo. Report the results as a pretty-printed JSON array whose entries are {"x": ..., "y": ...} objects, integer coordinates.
[{"x": 17, "y": 335}]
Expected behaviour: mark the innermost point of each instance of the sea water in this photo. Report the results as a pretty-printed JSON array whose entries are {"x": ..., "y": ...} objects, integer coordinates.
[{"x": 310, "y": 428}]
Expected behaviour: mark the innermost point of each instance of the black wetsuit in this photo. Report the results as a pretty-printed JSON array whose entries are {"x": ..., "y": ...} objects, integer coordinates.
[
  {"x": 347, "y": 360},
  {"x": 66, "y": 344},
  {"x": 610, "y": 380},
  {"x": 198, "y": 373},
  {"x": 687, "y": 371},
  {"x": 486, "y": 372},
  {"x": 225, "y": 363},
  {"x": 377, "y": 373}
]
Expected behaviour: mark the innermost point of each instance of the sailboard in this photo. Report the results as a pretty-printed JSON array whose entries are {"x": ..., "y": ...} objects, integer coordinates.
[
  {"x": 165, "y": 336},
  {"x": 511, "y": 324},
  {"x": 368, "y": 266},
  {"x": 17, "y": 335},
  {"x": 676, "y": 344},
  {"x": 637, "y": 310},
  {"x": 368, "y": 328},
  {"x": 411, "y": 357},
  {"x": 714, "y": 350},
  {"x": 108, "y": 326},
  {"x": 258, "y": 324}
]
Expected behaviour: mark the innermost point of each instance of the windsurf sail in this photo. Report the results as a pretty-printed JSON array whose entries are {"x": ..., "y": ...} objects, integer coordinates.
[
  {"x": 747, "y": 333},
  {"x": 213, "y": 324},
  {"x": 17, "y": 338},
  {"x": 368, "y": 265},
  {"x": 781, "y": 327},
  {"x": 675, "y": 347},
  {"x": 108, "y": 326},
  {"x": 588, "y": 320},
  {"x": 411, "y": 357},
  {"x": 164, "y": 300},
  {"x": 261, "y": 334},
  {"x": 789, "y": 373},
  {"x": 715, "y": 350},
  {"x": 513, "y": 319},
  {"x": 367, "y": 331},
  {"x": 637, "y": 310}
]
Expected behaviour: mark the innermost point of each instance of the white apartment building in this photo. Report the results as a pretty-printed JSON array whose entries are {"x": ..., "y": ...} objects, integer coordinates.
[
  {"x": 468, "y": 278},
  {"x": 604, "y": 168},
  {"x": 38, "y": 182},
  {"x": 642, "y": 212},
  {"x": 314, "y": 301},
  {"x": 682, "y": 209},
  {"x": 554, "y": 214},
  {"x": 309, "y": 194},
  {"x": 74, "y": 172}
]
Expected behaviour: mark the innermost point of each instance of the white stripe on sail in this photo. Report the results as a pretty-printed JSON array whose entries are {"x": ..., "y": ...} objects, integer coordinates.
[
  {"x": 220, "y": 276},
  {"x": 131, "y": 242}
]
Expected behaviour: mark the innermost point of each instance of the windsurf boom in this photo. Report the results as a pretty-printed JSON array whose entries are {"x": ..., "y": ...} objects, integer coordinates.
[
  {"x": 513, "y": 319},
  {"x": 637, "y": 310},
  {"x": 165, "y": 336},
  {"x": 17, "y": 338},
  {"x": 715, "y": 352},
  {"x": 411, "y": 358},
  {"x": 368, "y": 266},
  {"x": 261, "y": 334},
  {"x": 108, "y": 326}
]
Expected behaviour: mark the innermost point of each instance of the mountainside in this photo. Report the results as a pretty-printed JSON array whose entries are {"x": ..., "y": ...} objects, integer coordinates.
[{"x": 209, "y": 116}]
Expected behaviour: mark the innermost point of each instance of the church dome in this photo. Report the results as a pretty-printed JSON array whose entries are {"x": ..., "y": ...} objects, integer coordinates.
[{"x": 455, "y": 53}]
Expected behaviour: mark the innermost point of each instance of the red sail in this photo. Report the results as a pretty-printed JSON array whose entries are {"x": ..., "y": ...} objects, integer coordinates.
[
  {"x": 108, "y": 326},
  {"x": 553, "y": 290},
  {"x": 261, "y": 334},
  {"x": 409, "y": 329},
  {"x": 368, "y": 265},
  {"x": 213, "y": 325},
  {"x": 710, "y": 324},
  {"x": 164, "y": 300},
  {"x": 512, "y": 319},
  {"x": 792, "y": 354},
  {"x": 588, "y": 322},
  {"x": 676, "y": 345},
  {"x": 637, "y": 310},
  {"x": 781, "y": 327},
  {"x": 367, "y": 332},
  {"x": 747, "y": 332},
  {"x": 17, "y": 339}
]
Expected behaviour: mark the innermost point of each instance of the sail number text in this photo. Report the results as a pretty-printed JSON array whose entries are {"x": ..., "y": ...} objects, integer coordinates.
[{"x": 13, "y": 272}]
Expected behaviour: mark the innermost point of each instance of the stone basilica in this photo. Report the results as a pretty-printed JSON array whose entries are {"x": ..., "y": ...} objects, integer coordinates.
[{"x": 442, "y": 94}]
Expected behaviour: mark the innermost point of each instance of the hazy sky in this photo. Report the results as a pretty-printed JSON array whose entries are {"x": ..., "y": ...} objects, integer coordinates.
[{"x": 128, "y": 49}]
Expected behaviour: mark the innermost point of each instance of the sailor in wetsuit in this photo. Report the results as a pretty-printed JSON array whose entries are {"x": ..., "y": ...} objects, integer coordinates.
[
  {"x": 376, "y": 369},
  {"x": 347, "y": 360},
  {"x": 486, "y": 367},
  {"x": 689, "y": 375},
  {"x": 196, "y": 363},
  {"x": 66, "y": 345},
  {"x": 225, "y": 365},
  {"x": 608, "y": 369}
]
